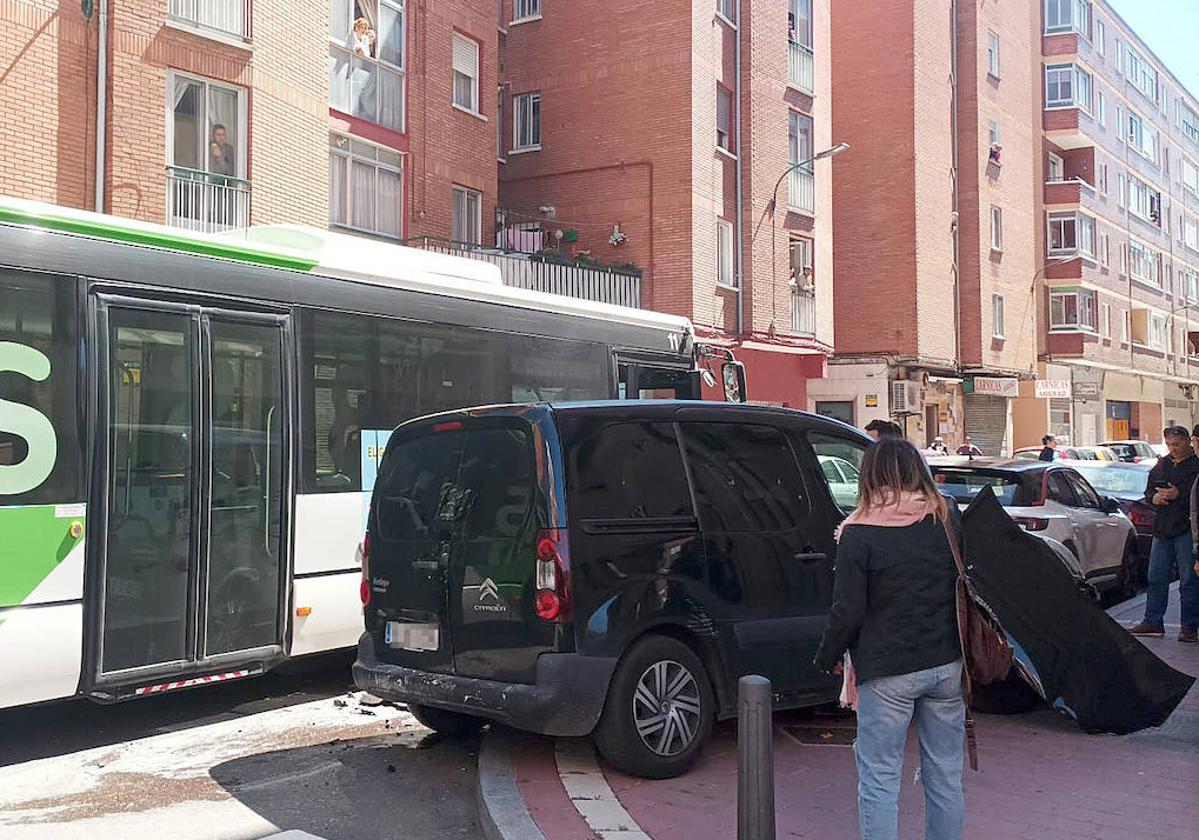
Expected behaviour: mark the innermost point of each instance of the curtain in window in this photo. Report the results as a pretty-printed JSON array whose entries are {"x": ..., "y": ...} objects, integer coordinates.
[
  {"x": 188, "y": 118},
  {"x": 389, "y": 186},
  {"x": 389, "y": 46},
  {"x": 362, "y": 194},
  {"x": 340, "y": 20},
  {"x": 337, "y": 190}
]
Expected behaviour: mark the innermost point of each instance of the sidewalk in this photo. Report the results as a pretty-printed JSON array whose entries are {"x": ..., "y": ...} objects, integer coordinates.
[{"x": 1040, "y": 777}]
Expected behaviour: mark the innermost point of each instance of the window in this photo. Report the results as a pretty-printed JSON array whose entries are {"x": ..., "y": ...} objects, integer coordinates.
[
  {"x": 799, "y": 22},
  {"x": 367, "y": 61},
  {"x": 1189, "y": 173},
  {"x": 629, "y": 471},
  {"x": 525, "y": 10},
  {"x": 727, "y": 9},
  {"x": 1068, "y": 16},
  {"x": 993, "y": 54},
  {"x": 1086, "y": 235},
  {"x": 466, "y": 73},
  {"x": 724, "y": 110},
  {"x": 724, "y": 253},
  {"x": 1119, "y": 124},
  {"x": 1119, "y": 190},
  {"x": 996, "y": 229},
  {"x": 1126, "y": 326},
  {"x": 362, "y": 373},
  {"x": 1101, "y": 108},
  {"x": 206, "y": 122},
  {"x": 1157, "y": 331},
  {"x": 1105, "y": 320},
  {"x": 526, "y": 121},
  {"x": 1072, "y": 310},
  {"x": 366, "y": 186},
  {"x": 1141, "y": 73},
  {"x": 1103, "y": 179},
  {"x": 1190, "y": 232},
  {"x": 1144, "y": 201},
  {"x": 1100, "y": 37},
  {"x": 1143, "y": 264},
  {"x": 1056, "y": 167},
  {"x": 997, "y": 316},
  {"x": 1142, "y": 136},
  {"x": 746, "y": 478},
  {"x": 841, "y": 463},
  {"x": 1071, "y": 233},
  {"x": 1189, "y": 284},
  {"x": 1105, "y": 244},
  {"x": 800, "y": 150},
  {"x": 994, "y": 134},
  {"x": 1190, "y": 122},
  {"x": 230, "y": 16},
  {"x": 39, "y": 453},
  {"x": 467, "y": 222}
]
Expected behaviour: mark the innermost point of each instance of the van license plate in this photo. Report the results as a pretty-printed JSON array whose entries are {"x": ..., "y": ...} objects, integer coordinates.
[{"x": 406, "y": 636}]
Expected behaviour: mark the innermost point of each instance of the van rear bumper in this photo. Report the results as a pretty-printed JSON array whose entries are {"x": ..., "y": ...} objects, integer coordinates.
[{"x": 566, "y": 700}]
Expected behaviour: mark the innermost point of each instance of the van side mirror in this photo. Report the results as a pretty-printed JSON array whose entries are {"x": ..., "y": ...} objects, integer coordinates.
[{"x": 732, "y": 373}]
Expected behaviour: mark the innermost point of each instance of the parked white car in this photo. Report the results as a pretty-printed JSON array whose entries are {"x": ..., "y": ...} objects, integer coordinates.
[
  {"x": 842, "y": 477},
  {"x": 1051, "y": 499}
]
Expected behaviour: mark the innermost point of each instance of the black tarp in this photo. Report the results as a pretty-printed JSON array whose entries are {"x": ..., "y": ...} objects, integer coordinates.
[{"x": 1086, "y": 662}]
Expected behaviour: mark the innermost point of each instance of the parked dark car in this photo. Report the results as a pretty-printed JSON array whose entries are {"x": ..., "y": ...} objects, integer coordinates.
[
  {"x": 1125, "y": 482},
  {"x": 608, "y": 569}
]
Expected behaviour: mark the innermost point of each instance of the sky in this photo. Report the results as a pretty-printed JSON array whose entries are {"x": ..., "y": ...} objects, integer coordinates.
[{"x": 1171, "y": 29}]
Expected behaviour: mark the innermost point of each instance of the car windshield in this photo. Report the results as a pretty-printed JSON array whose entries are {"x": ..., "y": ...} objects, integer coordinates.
[
  {"x": 1115, "y": 480},
  {"x": 964, "y": 485}
]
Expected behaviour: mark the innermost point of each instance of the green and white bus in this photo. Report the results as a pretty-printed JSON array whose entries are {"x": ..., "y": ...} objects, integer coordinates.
[{"x": 189, "y": 425}]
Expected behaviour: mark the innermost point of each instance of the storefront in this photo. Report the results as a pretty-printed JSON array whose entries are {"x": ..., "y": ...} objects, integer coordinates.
[{"x": 989, "y": 414}]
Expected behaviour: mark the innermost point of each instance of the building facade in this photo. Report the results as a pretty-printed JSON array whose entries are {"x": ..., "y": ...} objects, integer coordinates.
[
  {"x": 934, "y": 210},
  {"x": 1119, "y": 230},
  {"x": 657, "y": 140}
]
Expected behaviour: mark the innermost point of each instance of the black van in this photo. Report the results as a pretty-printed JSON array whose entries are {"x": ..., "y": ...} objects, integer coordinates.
[{"x": 603, "y": 568}]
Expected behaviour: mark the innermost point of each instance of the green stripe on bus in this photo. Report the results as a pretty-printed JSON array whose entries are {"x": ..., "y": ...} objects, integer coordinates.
[
  {"x": 36, "y": 539},
  {"x": 157, "y": 239}
]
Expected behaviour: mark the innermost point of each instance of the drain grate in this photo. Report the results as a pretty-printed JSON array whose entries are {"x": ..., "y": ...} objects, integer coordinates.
[{"x": 832, "y": 734}]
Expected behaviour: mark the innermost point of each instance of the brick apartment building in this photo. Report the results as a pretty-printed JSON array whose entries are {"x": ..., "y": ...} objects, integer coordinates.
[
  {"x": 222, "y": 113},
  {"x": 1120, "y": 224},
  {"x": 619, "y": 137},
  {"x": 935, "y": 260}
]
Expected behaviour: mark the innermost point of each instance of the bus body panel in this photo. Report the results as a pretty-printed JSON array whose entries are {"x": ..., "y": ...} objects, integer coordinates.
[
  {"x": 329, "y": 527},
  {"x": 335, "y": 617},
  {"x": 41, "y": 648}
]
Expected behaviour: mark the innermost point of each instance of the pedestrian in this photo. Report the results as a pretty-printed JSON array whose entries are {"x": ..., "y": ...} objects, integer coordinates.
[
  {"x": 1171, "y": 489},
  {"x": 938, "y": 447},
  {"x": 879, "y": 429},
  {"x": 968, "y": 448},
  {"x": 894, "y": 610},
  {"x": 1048, "y": 448}
]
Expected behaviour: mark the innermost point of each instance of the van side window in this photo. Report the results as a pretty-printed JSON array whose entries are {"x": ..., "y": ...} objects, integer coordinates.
[
  {"x": 840, "y": 461},
  {"x": 746, "y": 477},
  {"x": 630, "y": 471}
]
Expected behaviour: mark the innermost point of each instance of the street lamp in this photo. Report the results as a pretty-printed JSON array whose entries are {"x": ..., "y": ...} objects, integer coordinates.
[{"x": 829, "y": 152}]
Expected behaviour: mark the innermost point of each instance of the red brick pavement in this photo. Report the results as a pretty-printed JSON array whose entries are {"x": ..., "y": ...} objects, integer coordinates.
[{"x": 1040, "y": 777}]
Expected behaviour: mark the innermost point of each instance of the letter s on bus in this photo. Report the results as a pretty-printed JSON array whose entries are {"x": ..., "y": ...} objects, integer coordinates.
[{"x": 26, "y": 422}]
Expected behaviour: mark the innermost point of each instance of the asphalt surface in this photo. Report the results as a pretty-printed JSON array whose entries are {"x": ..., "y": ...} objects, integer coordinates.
[{"x": 299, "y": 749}]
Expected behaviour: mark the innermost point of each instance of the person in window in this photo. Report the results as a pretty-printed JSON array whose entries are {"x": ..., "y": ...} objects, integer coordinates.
[
  {"x": 364, "y": 38},
  {"x": 1048, "y": 448},
  {"x": 894, "y": 611},
  {"x": 222, "y": 157}
]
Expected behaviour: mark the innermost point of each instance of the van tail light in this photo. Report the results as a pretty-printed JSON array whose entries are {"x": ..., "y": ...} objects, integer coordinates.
[
  {"x": 364, "y": 588},
  {"x": 551, "y": 578},
  {"x": 1031, "y": 523},
  {"x": 1141, "y": 516}
]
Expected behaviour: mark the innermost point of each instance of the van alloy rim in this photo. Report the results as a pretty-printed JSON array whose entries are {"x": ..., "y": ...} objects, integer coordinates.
[{"x": 667, "y": 708}]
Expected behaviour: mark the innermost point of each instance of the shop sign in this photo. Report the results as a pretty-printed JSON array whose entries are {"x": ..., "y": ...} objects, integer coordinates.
[
  {"x": 1053, "y": 389},
  {"x": 997, "y": 386},
  {"x": 1086, "y": 390},
  {"x": 872, "y": 400}
]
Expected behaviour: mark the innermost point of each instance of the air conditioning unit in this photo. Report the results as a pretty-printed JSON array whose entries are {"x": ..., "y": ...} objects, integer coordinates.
[{"x": 905, "y": 397}]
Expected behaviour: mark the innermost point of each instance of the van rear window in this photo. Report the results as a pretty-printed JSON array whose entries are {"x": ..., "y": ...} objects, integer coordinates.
[
  {"x": 964, "y": 486},
  {"x": 459, "y": 485},
  {"x": 629, "y": 471}
]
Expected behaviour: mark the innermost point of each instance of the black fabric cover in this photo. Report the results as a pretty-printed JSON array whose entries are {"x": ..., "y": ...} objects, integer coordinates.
[{"x": 1086, "y": 661}]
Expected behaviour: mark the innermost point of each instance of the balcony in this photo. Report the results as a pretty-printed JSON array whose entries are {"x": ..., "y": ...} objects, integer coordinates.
[
  {"x": 546, "y": 274},
  {"x": 228, "y": 17},
  {"x": 800, "y": 67},
  {"x": 206, "y": 203},
  {"x": 803, "y": 314},
  {"x": 366, "y": 87},
  {"x": 1067, "y": 192},
  {"x": 802, "y": 195}
]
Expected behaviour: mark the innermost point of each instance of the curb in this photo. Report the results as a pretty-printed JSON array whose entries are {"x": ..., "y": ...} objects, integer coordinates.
[{"x": 502, "y": 810}]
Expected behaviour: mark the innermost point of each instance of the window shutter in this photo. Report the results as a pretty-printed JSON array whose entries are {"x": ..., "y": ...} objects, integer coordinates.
[{"x": 466, "y": 56}]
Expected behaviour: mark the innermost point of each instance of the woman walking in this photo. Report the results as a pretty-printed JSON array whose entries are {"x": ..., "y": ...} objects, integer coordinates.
[{"x": 894, "y": 611}]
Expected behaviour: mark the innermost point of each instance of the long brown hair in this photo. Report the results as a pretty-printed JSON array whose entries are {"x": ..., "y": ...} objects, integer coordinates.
[{"x": 891, "y": 467}]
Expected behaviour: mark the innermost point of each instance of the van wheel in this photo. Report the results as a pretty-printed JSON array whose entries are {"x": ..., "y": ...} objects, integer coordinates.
[
  {"x": 454, "y": 724},
  {"x": 659, "y": 710}
]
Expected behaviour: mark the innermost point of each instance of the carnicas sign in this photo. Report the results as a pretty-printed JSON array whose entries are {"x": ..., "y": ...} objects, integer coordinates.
[
  {"x": 1053, "y": 389},
  {"x": 997, "y": 386}
]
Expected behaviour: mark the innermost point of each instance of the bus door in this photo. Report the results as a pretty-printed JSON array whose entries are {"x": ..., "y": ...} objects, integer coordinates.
[
  {"x": 639, "y": 380},
  {"x": 191, "y": 467}
]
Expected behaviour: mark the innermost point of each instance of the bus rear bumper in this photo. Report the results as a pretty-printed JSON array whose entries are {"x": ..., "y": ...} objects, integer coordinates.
[{"x": 566, "y": 700}]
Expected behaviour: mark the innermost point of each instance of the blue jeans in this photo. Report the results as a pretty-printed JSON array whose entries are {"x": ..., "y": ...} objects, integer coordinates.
[
  {"x": 1168, "y": 552},
  {"x": 885, "y": 710}
]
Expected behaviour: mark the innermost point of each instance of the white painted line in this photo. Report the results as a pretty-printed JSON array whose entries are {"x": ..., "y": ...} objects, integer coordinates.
[{"x": 591, "y": 794}]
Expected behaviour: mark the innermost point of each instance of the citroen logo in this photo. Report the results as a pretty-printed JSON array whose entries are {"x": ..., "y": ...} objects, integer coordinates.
[{"x": 488, "y": 588}]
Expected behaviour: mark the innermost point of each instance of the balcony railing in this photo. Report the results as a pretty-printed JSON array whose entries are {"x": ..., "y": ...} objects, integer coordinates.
[
  {"x": 800, "y": 68},
  {"x": 803, "y": 314},
  {"x": 205, "y": 202},
  {"x": 543, "y": 274},
  {"x": 366, "y": 87},
  {"x": 229, "y": 16},
  {"x": 803, "y": 191}
]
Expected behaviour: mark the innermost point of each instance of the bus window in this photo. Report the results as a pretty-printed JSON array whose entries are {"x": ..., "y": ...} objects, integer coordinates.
[
  {"x": 650, "y": 383},
  {"x": 39, "y": 451}
]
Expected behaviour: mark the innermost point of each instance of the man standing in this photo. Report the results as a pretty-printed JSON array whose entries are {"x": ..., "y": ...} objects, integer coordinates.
[
  {"x": 1170, "y": 489},
  {"x": 968, "y": 448},
  {"x": 1048, "y": 448}
]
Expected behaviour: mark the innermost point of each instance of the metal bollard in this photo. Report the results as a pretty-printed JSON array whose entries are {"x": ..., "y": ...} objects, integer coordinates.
[{"x": 755, "y": 760}]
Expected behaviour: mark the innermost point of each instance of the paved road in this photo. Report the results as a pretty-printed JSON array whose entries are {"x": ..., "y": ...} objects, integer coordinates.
[{"x": 236, "y": 762}]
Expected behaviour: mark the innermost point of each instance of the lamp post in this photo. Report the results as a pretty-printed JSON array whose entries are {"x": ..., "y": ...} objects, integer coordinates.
[{"x": 829, "y": 152}]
